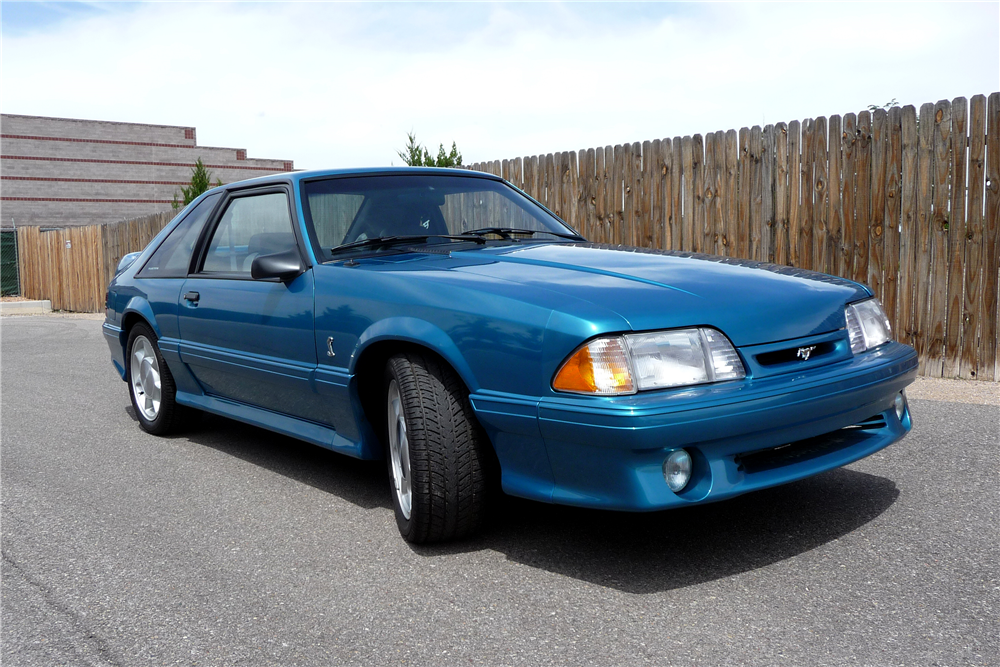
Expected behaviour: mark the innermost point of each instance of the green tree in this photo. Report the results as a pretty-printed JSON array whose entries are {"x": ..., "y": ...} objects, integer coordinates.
[
  {"x": 201, "y": 181},
  {"x": 451, "y": 159},
  {"x": 415, "y": 154}
]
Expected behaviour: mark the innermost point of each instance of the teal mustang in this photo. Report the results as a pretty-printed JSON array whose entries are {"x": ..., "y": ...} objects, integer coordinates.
[{"x": 447, "y": 322}]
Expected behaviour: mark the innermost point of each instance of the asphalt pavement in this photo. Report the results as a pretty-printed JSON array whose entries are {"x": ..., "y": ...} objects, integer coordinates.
[{"x": 229, "y": 545}]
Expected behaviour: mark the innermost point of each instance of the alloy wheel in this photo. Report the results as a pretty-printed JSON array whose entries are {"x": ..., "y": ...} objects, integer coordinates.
[
  {"x": 399, "y": 450},
  {"x": 145, "y": 375}
]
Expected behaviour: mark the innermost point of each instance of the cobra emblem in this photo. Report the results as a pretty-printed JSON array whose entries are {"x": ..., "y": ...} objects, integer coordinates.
[{"x": 804, "y": 352}]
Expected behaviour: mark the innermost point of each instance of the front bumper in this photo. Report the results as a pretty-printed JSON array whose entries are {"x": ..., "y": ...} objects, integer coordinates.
[{"x": 607, "y": 452}]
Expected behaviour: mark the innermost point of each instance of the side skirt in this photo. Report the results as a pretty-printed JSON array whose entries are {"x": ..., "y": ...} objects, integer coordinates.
[{"x": 293, "y": 427}]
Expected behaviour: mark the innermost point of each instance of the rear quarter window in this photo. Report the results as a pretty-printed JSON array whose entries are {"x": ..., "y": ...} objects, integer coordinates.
[{"x": 173, "y": 258}]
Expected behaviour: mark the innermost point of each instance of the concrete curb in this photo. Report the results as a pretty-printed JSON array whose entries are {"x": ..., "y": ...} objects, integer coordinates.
[{"x": 25, "y": 307}]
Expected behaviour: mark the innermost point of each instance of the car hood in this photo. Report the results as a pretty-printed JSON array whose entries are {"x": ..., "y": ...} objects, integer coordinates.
[{"x": 751, "y": 302}]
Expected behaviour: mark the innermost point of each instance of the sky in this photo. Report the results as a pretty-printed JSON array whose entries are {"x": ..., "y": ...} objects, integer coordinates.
[{"x": 332, "y": 85}]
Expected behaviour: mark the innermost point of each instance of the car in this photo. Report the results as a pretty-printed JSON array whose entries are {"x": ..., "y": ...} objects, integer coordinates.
[{"x": 448, "y": 323}]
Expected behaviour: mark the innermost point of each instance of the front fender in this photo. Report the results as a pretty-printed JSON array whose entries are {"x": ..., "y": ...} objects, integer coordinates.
[{"x": 419, "y": 332}]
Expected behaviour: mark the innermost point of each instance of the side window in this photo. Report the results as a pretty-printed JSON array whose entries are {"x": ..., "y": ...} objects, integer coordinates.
[
  {"x": 173, "y": 257},
  {"x": 251, "y": 226}
]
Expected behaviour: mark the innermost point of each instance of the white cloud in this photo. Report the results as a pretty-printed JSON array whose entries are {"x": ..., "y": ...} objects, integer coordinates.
[{"x": 336, "y": 85}]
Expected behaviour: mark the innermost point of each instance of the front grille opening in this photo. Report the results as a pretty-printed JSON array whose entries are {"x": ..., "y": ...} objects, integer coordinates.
[
  {"x": 795, "y": 354},
  {"x": 810, "y": 448}
]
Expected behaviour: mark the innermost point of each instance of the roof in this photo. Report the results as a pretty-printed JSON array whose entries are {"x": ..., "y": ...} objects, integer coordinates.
[{"x": 297, "y": 176}]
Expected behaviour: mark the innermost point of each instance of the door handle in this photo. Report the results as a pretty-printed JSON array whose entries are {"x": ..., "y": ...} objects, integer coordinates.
[{"x": 192, "y": 296}]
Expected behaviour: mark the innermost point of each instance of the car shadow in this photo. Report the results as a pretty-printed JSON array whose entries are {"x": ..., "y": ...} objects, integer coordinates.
[
  {"x": 631, "y": 552},
  {"x": 652, "y": 552},
  {"x": 363, "y": 483}
]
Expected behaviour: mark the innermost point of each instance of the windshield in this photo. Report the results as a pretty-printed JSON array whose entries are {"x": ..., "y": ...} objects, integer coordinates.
[{"x": 427, "y": 207}]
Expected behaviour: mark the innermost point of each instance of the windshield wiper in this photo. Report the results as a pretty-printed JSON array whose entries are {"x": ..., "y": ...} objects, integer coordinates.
[
  {"x": 379, "y": 241},
  {"x": 508, "y": 233}
]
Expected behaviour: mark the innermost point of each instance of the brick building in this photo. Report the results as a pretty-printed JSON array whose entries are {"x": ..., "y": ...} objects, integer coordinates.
[{"x": 61, "y": 172}]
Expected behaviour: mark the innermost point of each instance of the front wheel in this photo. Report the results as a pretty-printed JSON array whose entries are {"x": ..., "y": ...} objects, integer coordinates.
[{"x": 437, "y": 452}]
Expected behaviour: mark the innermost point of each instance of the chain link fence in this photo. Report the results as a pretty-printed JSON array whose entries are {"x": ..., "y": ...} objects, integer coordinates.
[{"x": 9, "y": 278}]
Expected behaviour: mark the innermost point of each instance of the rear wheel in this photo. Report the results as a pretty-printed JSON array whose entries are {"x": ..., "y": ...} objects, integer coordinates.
[
  {"x": 437, "y": 452},
  {"x": 150, "y": 384}
]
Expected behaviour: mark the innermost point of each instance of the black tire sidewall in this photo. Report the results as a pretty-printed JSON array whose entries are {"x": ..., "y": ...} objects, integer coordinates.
[
  {"x": 448, "y": 450},
  {"x": 161, "y": 424}
]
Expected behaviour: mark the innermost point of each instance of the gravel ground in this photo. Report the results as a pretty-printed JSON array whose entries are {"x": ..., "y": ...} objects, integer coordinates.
[
  {"x": 957, "y": 391},
  {"x": 232, "y": 546}
]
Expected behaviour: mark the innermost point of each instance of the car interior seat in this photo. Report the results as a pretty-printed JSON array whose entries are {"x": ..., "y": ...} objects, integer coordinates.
[{"x": 391, "y": 217}]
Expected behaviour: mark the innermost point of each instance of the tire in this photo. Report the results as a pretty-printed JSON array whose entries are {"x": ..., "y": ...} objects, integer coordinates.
[
  {"x": 150, "y": 384},
  {"x": 435, "y": 449}
]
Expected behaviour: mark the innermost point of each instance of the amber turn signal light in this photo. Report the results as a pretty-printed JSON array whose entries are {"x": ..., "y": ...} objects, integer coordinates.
[{"x": 598, "y": 367}]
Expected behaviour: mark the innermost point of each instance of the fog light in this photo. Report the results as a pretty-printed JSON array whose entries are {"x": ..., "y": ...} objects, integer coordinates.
[
  {"x": 900, "y": 405},
  {"x": 677, "y": 470}
]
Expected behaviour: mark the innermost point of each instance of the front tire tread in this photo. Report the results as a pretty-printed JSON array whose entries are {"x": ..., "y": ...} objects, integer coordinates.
[{"x": 448, "y": 455}]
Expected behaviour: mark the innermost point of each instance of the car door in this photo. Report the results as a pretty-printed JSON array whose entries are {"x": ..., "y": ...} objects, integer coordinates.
[
  {"x": 248, "y": 340},
  {"x": 161, "y": 278}
]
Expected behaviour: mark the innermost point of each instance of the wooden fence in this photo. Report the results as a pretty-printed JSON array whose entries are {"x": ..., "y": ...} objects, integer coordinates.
[
  {"x": 73, "y": 266},
  {"x": 907, "y": 203}
]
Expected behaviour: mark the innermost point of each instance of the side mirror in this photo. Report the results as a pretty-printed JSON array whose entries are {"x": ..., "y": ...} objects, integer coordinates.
[{"x": 284, "y": 266}]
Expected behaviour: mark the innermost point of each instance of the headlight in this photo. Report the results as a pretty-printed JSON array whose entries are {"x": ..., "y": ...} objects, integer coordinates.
[
  {"x": 625, "y": 364},
  {"x": 867, "y": 325}
]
